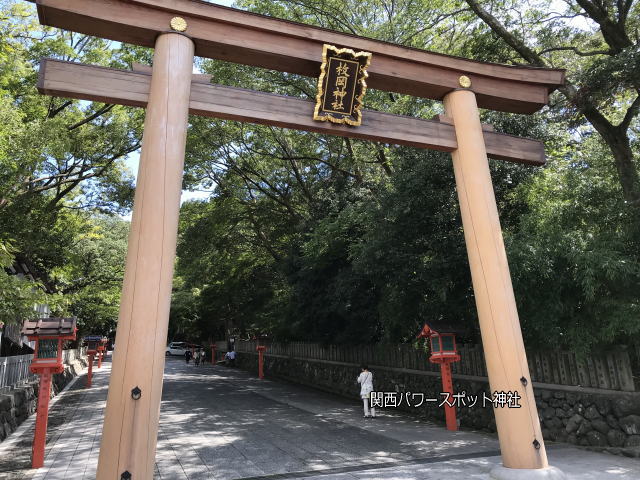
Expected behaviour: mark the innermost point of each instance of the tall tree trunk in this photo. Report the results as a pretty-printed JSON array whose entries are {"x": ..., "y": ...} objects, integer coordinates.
[
  {"x": 616, "y": 138},
  {"x": 627, "y": 172}
]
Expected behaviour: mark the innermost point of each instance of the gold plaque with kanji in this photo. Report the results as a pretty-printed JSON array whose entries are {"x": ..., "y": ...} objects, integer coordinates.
[{"x": 342, "y": 85}]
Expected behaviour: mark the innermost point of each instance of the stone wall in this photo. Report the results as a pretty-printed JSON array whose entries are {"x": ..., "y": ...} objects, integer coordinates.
[
  {"x": 598, "y": 419},
  {"x": 20, "y": 402}
]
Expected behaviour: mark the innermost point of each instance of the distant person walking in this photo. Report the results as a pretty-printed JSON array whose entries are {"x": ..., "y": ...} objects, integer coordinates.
[
  {"x": 187, "y": 356},
  {"x": 197, "y": 357},
  {"x": 365, "y": 379}
]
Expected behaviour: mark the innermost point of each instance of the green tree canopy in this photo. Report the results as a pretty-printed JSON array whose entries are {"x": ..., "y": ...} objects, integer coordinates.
[
  {"x": 62, "y": 174},
  {"x": 326, "y": 239},
  {"x": 313, "y": 237}
]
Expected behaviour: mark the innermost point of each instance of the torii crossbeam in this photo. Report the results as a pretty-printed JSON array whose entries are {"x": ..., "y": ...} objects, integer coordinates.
[
  {"x": 178, "y": 29},
  {"x": 88, "y": 82}
]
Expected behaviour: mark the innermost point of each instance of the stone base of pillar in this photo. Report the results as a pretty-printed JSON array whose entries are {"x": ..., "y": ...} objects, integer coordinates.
[{"x": 504, "y": 473}]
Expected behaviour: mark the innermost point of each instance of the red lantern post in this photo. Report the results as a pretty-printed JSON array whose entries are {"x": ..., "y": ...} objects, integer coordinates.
[
  {"x": 261, "y": 349},
  {"x": 92, "y": 342},
  {"x": 444, "y": 352},
  {"x": 49, "y": 335},
  {"x": 102, "y": 347},
  {"x": 213, "y": 354}
]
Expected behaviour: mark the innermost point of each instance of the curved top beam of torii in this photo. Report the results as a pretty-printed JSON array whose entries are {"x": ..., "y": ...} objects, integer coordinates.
[{"x": 242, "y": 37}]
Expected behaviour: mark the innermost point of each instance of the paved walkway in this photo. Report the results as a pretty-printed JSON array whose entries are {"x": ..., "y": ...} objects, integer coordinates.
[{"x": 224, "y": 424}]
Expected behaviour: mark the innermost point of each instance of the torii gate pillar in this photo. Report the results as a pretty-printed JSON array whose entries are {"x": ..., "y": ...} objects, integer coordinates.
[
  {"x": 519, "y": 432},
  {"x": 135, "y": 388}
]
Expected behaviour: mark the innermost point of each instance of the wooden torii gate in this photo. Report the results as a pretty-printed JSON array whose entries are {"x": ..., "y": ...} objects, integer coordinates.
[{"x": 178, "y": 29}]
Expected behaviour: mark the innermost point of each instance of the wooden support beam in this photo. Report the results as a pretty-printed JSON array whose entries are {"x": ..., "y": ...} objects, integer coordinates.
[
  {"x": 196, "y": 77},
  {"x": 247, "y": 38},
  {"x": 444, "y": 119},
  {"x": 87, "y": 82}
]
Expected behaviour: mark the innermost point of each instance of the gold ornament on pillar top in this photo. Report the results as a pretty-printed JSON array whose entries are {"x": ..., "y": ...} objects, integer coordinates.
[
  {"x": 464, "y": 81},
  {"x": 178, "y": 24}
]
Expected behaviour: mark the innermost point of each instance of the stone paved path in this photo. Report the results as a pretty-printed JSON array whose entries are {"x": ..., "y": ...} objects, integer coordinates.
[
  {"x": 224, "y": 424},
  {"x": 241, "y": 427},
  {"x": 75, "y": 422}
]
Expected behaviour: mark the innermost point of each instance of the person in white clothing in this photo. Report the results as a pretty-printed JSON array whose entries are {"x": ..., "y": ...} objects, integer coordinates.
[
  {"x": 365, "y": 379},
  {"x": 230, "y": 357}
]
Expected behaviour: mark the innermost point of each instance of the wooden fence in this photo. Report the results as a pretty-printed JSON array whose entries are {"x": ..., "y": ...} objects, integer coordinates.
[{"x": 610, "y": 370}]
